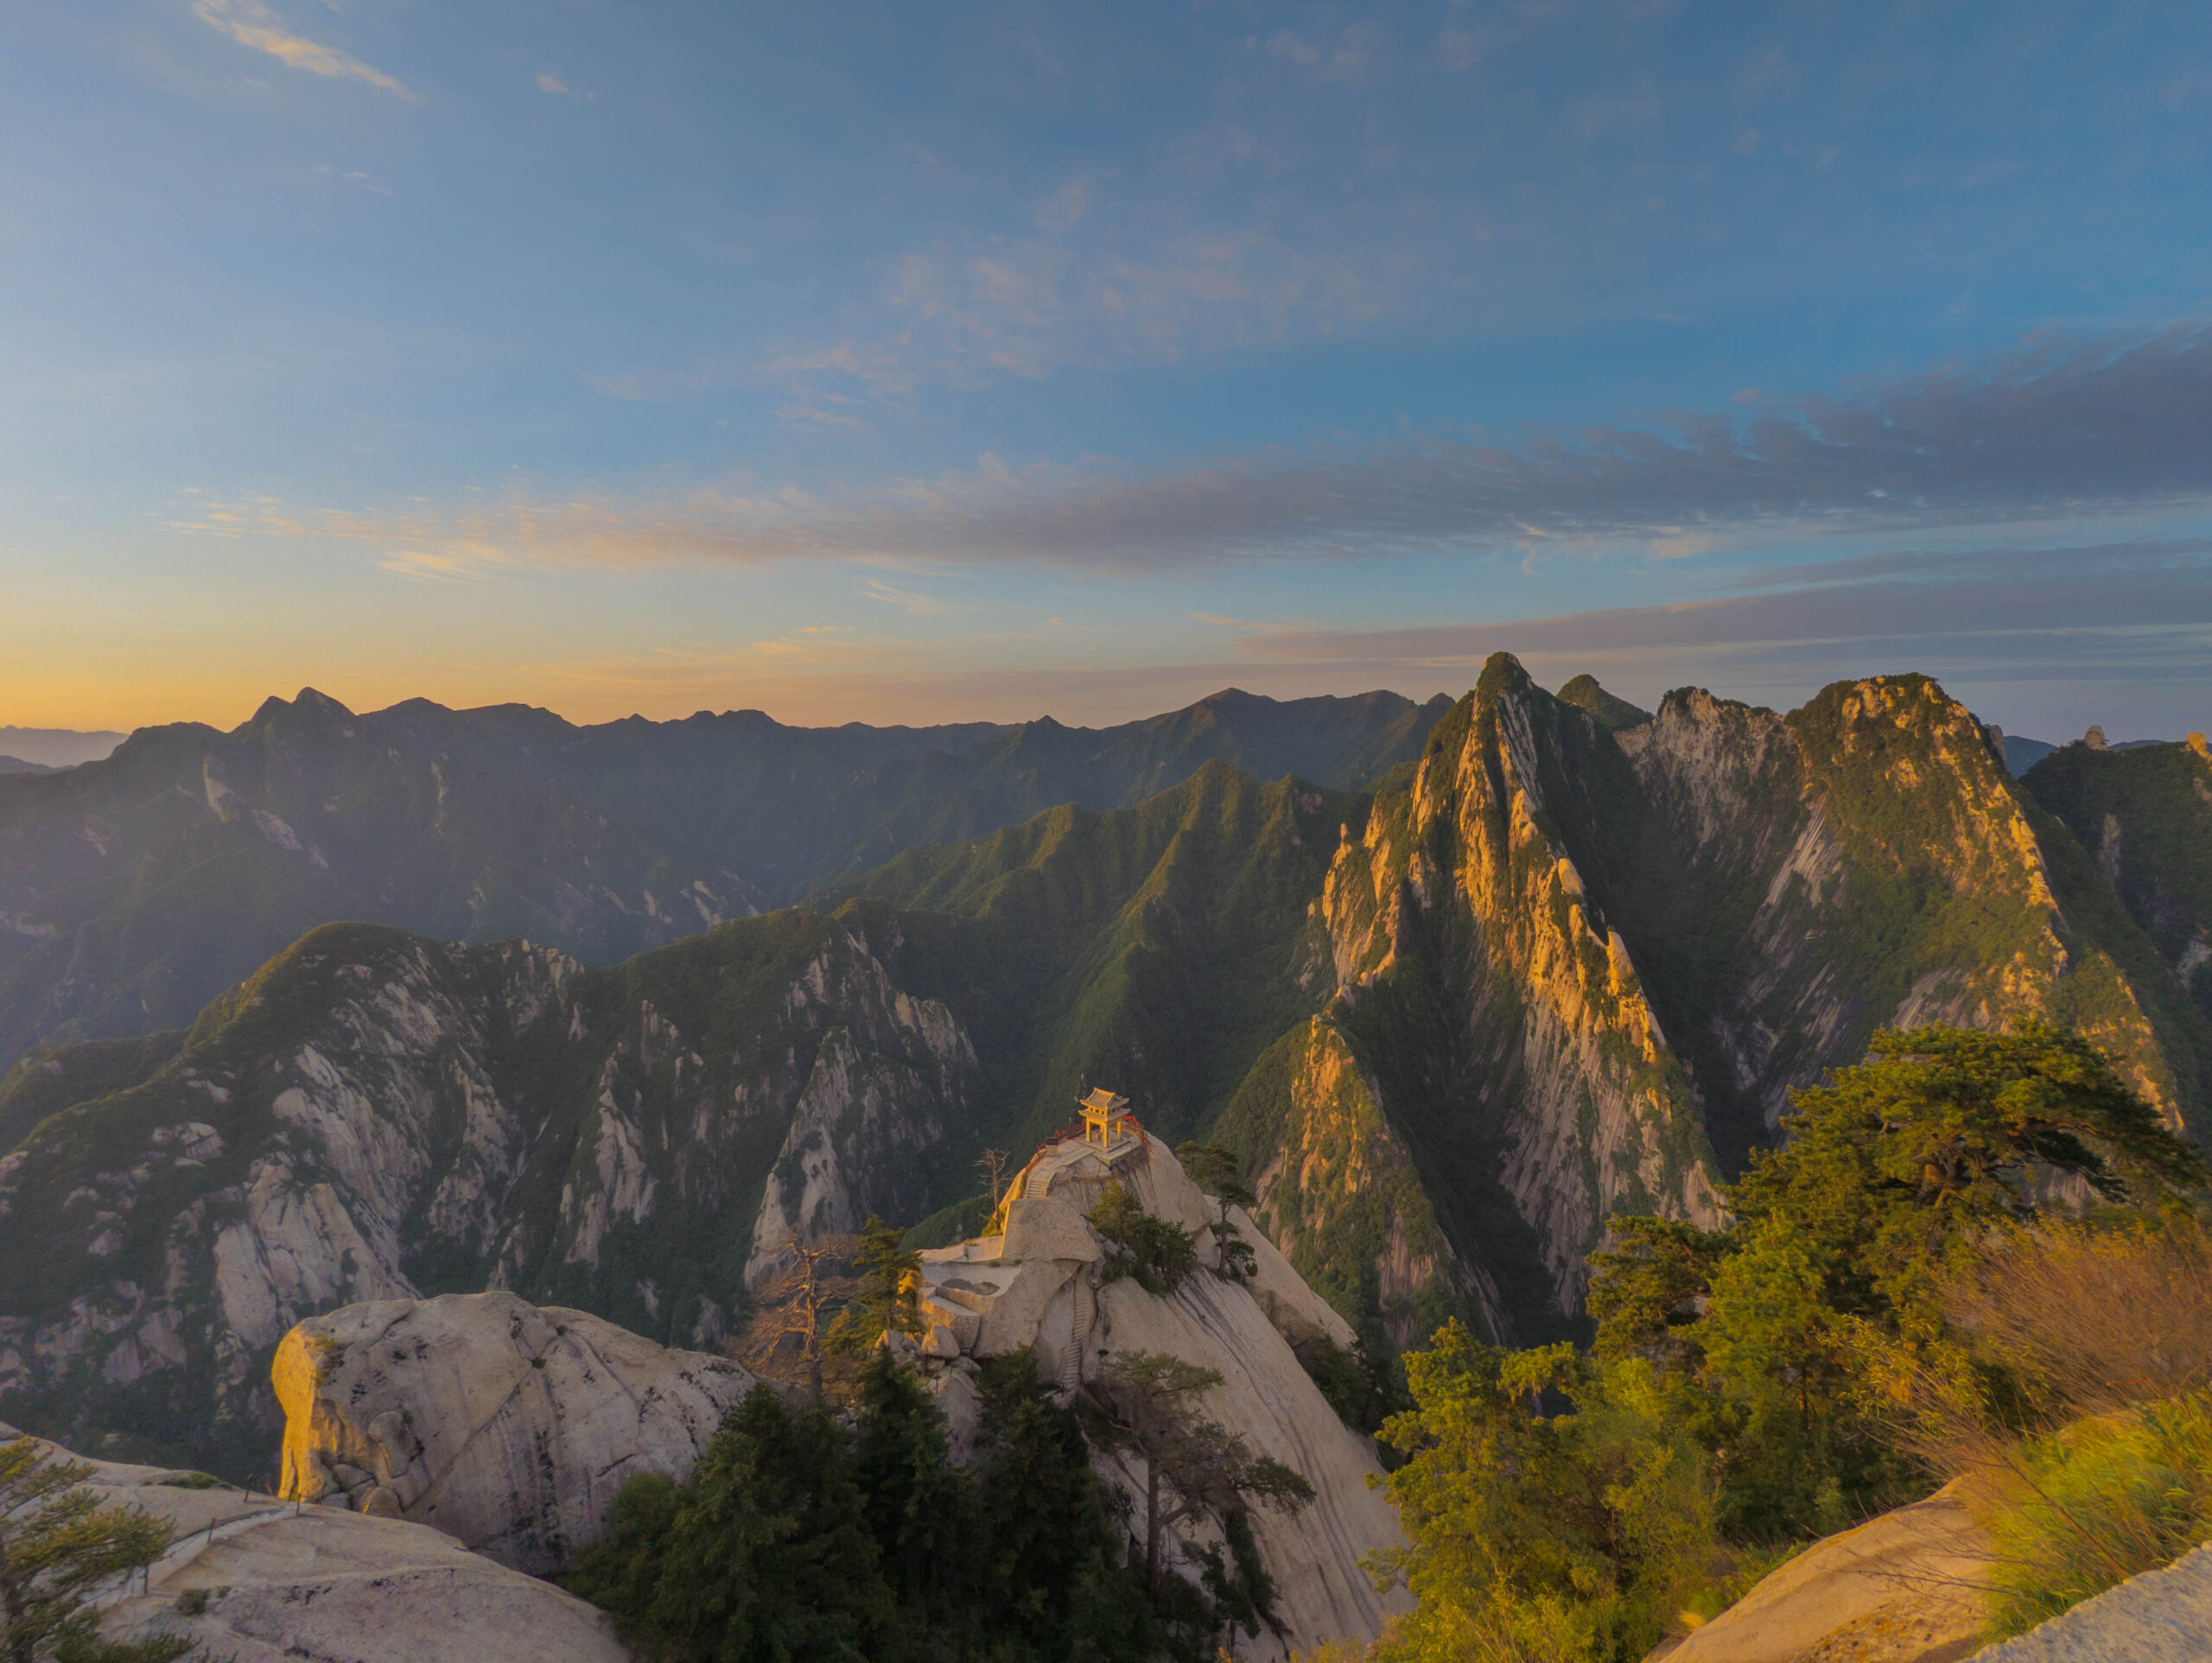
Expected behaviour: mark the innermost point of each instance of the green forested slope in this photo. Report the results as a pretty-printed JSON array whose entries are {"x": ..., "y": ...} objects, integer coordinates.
[
  {"x": 134, "y": 889},
  {"x": 2145, "y": 814}
]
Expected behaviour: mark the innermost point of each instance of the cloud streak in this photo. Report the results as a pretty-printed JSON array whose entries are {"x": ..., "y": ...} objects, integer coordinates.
[
  {"x": 254, "y": 26},
  {"x": 2058, "y": 432},
  {"x": 2137, "y": 595}
]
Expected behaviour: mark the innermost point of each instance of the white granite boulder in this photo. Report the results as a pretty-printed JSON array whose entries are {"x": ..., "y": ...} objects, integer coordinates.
[
  {"x": 1045, "y": 1227},
  {"x": 507, "y": 1426}
]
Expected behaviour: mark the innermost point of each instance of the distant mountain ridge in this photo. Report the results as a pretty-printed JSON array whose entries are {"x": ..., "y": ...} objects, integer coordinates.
[
  {"x": 56, "y": 748},
  {"x": 134, "y": 889},
  {"x": 1550, "y": 971}
]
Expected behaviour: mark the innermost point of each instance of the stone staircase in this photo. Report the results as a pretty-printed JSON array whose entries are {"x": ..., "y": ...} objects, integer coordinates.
[{"x": 1078, "y": 1337}]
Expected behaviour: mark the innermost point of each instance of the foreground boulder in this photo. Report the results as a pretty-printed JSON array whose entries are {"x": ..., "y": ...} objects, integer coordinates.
[
  {"x": 1041, "y": 1280},
  {"x": 507, "y": 1426},
  {"x": 259, "y": 1580},
  {"x": 1908, "y": 1587}
]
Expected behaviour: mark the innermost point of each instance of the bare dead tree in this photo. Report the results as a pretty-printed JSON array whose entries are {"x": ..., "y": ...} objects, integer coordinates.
[
  {"x": 992, "y": 1166},
  {"x": 797, "y": 1302}
]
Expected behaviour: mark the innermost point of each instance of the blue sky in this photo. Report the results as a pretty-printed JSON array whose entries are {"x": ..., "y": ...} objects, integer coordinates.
[{"x": 983, "y": 361}]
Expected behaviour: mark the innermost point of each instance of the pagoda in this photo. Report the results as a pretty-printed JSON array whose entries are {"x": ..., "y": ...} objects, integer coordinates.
[{"x": 1105, "y": 1117}]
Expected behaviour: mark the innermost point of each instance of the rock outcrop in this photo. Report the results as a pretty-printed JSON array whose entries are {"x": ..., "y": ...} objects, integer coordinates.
[
  {"x": 1039, "y": 1279},
  {"x": 1906, "y": 1587},
  {"x": 254, "y": 1579},
  {"x": 375, "y": 1113},
  {"x": 1577, "y": 967},
  {"x": 2157, "y": 1617},
  {"x": 509, "y": 1427}
]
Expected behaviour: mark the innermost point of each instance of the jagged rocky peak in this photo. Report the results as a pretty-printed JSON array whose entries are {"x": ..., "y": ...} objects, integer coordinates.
[
  {"x": 1613, "y": 712},
  {"x": 1487, "y": 986}
]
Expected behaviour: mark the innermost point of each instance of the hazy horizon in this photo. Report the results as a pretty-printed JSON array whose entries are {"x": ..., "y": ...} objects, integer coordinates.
[{"x": 61, "y": 746}]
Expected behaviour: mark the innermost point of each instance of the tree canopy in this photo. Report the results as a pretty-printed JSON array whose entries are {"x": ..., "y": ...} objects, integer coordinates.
[
  {"x": 58, "y": 1543},
  {"x": 1742, "y": 1392}
]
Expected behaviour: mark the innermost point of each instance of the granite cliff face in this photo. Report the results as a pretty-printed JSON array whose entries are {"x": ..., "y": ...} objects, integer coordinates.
[
  {"x": 376, "y": 1118},
  {"x": 509, "y": 1427},
  {"x": 2144, "y": 817},
  {"x": 1576, "y": 967},
  {"x": 1482, "y": 974},
  {"x": 1041, "y": 1278}
]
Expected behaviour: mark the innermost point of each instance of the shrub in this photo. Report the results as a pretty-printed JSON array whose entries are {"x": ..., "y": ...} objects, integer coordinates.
[
  {"x": 1576, "y": 1537},
  {"x": 2093, "y": 1318},
  {"x": 1160, "y": 1254},
  {"x": 2073, "y": 1512}
]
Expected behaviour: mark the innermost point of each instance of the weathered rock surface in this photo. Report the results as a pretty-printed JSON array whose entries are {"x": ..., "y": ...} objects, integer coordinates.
[
  {"x": 1906, "y": 1587},
  {"x": 508, "y": 1427},
  {"x": 276, "y": 1582},
  {"x": 1077, "y": 1321},
  {"x": 375, "y": 1113},
  {"x": 1577, "y": 971}
]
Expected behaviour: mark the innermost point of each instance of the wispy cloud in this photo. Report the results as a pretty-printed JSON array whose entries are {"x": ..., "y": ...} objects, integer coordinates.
[
  {"x": 454, "y": 564},
  {"x": 255, "y": 26},
  {"x": 2058, "y": 432},
  {"x": 910, "y": 600},
  {"x": 2131, "y": 592},
  {"x": 558, "y": 86}
]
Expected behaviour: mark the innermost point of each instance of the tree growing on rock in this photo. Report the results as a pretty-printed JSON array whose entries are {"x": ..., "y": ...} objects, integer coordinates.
[
  {"x": 1153, "y": 1404},
  {"x": 1896, "y": 1174},
  {"x": 1160, "y": 1254},
  {"x": 58, "y": 1543},
  {"x": 802, "y": 1534},
  {"x": 1218, "y": 1172},
  {"x": 992, "y": 1163},
  {"x": 889, "y": 1296}
]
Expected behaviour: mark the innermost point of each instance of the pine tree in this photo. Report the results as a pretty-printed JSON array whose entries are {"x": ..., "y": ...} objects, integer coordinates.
[
  {"x": 57, "y": 1544},
  {"x": 1193, "y": 1465}
]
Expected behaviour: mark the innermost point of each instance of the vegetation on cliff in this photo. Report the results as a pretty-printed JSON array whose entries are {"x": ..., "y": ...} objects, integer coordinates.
[
  {"x": 59, "y": 1546},
  {"x": 2145, "y": 814},
  {"x": 1878, "y": 1313},
  {"x": 801, "y": 1535}
]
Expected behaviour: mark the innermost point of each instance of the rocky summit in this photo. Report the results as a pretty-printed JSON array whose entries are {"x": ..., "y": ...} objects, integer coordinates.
[{"x": 510, "y": 1428}]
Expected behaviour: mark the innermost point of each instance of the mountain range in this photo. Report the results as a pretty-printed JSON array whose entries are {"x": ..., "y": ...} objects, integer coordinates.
[
  {"x": 135, "y": 889},
  {"x": 1513, "y": 965}
]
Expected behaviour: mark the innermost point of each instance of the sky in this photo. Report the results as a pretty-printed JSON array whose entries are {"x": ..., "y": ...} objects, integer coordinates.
[{"x": 924, "y": 363}]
